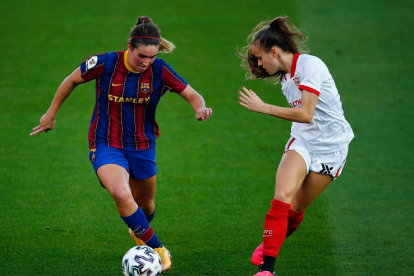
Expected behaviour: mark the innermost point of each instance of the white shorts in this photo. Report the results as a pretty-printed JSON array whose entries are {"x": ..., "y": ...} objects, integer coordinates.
[{"x": 326, "y": 163}]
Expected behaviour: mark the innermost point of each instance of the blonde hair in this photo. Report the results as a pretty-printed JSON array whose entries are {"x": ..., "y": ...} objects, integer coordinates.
[{"x": 145, "y": 32}]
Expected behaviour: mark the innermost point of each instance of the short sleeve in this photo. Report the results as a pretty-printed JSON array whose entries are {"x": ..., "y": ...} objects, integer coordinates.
[
  {"x": 93, "y": 67},
  {"x": 171, "y": 80},
  {"x": 313, "y": 74}
]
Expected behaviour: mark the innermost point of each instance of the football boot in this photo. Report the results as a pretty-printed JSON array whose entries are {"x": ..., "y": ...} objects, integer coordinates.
[
  {"x": 165, "y": 258},
  {"x": 265, "y": 273},
  {"x": 257, "y": 257},
  {"x": 137, "y": 240}
]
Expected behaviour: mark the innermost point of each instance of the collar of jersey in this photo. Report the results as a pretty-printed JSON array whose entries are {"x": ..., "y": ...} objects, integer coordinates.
[
  {"x": 127, "y": 65},
  {"x": 294, "y": 62}
]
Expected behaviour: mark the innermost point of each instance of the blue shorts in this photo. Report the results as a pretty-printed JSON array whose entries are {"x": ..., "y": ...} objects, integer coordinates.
[{"x": 140, "y": 164}]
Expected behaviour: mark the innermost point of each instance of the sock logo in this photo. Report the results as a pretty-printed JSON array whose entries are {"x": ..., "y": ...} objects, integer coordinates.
[
  {"x": 140, "y": 233},
  {"x": 325, "y": 169},
  {"x": 267, "y": 233}
]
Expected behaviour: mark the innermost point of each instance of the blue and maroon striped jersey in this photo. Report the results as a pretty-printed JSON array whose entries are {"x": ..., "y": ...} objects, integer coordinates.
[{"x": 126, "y": 101}]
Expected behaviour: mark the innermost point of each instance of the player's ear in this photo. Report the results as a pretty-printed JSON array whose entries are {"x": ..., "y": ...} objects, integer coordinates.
[
  {"x": 129, "y": 47},
  {"x": 275, "y": 51}
]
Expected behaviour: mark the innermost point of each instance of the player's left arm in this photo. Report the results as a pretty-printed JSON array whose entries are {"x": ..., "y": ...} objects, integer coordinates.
[
  {"x": 197, "y": 103},
  {"x": 303, "y": 114}
]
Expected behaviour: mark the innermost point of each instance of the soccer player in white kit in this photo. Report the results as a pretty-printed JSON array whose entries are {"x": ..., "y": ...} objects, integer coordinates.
[{"x": 315, "y": 154}]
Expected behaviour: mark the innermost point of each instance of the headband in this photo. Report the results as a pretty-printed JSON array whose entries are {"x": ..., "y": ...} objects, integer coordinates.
[{"x": 145, "y": 37}]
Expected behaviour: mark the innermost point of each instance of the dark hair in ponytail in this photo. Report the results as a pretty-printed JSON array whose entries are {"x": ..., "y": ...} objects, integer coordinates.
[
  {"x": 145, "y": 32},
  {"x": 278, "y": 32}
]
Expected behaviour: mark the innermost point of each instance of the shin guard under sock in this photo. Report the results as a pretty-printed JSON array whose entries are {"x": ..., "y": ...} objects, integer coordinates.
[
  {"x": 294, "y": 219},
  {"x": 140, "y": 226},
  {"x": 275, "y": 228}
]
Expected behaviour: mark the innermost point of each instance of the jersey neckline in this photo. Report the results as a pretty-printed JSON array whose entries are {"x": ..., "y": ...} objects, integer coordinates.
[
  {"x": 294, "y": 62},
  {"x": 293, "y": 67},
  {"x": 127, "y": 65}
]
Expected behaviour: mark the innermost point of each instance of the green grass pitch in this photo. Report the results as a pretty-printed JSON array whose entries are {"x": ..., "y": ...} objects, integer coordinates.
[{"x": 216, "y": 178}]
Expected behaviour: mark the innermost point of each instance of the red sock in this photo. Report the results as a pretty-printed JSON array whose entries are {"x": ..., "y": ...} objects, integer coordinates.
[
  {"x": 294, "y": 219},
  {"x": 275, "y": 228}
]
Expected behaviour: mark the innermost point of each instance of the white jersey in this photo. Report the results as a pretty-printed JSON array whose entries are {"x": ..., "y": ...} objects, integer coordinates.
[{"x": 329, "y": 131}]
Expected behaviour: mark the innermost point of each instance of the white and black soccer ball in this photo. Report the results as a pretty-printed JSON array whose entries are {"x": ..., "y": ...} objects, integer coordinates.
[{"x": 141, "y": 261}]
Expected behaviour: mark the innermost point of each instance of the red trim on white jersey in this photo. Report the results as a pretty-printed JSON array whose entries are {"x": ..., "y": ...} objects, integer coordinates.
[
  {"x": 309, "y": 89},
  {"x": 310, "y": 74},
  {"x": 294, "y": 62}
]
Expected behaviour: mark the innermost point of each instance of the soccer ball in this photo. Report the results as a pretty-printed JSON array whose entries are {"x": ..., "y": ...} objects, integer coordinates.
[{"x": 141, "y": 261}]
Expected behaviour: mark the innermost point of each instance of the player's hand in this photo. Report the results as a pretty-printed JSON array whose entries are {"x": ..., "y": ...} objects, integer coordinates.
[
  {"x": 203, "y": 114},
  {"x": 46, "y": 123},
  {"x": 250, "y": 100}
]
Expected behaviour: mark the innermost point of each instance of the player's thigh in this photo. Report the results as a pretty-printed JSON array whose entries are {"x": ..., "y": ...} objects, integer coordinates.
[
  {"x": 290, "y": 174},
  {"x": 114, "y": 178},
  {"x": 111, "y": 167},
  {"x": 311, "y": 188},
  {"x": 143, "y": 191}
]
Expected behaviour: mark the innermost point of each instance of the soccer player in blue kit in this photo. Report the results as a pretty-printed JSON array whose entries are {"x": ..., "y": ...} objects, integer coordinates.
[{"x": 122, "y": 133}]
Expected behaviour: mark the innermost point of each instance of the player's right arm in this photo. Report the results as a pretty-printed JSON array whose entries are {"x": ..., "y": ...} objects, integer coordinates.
[{"x": 47, "y": 121}]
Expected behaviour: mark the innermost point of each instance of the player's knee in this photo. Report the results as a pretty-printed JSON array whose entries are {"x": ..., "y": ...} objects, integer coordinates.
[
  {"x": 147, "y": 206},
  {"x": 283, "y": 196},
  {"x": 122, "y": 199}
]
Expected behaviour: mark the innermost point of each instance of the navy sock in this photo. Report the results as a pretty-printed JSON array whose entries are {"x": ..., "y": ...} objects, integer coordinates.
[
  {"x": 150, "y": 217},
  {"x": 140, "y": 226}
]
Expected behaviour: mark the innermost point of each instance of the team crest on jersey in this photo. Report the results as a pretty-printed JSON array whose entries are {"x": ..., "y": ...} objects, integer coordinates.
[
  {"x": 145, "y": 87},
  {"x": 296, "y": 81},
  {"x": 90, "y": 63}
]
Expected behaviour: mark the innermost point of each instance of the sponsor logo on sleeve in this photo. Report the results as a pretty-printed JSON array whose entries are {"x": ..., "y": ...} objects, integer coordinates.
[
  {"x": 296, "y": 80},
  {"x": 90, "y": 63}
]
